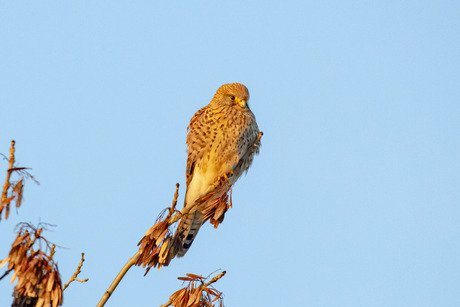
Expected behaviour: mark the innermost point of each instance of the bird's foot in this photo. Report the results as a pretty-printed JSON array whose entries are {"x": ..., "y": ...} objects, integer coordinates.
[{"x": 225, "y": 176}]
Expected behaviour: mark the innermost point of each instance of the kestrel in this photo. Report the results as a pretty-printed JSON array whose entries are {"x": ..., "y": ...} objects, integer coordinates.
[{"x": 222, "y": 139}]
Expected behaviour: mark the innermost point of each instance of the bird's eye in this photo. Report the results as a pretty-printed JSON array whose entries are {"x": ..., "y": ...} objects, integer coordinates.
[{"x": 232, "y": 97}]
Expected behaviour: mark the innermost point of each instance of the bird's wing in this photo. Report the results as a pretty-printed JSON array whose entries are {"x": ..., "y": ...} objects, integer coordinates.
[{"x": 195, "y": 143}]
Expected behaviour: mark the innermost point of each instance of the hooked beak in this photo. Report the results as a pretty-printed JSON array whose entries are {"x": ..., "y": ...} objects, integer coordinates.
[{"x": 242, "y": 102}]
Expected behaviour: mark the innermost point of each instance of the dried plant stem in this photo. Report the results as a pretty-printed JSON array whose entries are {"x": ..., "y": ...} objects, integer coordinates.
[
  {"x": 118, "y": 278},
  {"x": 176, "y": 195},
  {"x": 8, "y": 174},
  {"x": 75, "y": 275},
  {"x": 214, "y": 279}
]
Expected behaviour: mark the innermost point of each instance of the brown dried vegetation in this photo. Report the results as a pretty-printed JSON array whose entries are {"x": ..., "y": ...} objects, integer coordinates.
[
  {"x": 38, "y": 278},
  {"x": 13, "y": 190},
  {"x": 197, "y": 293},
  {"x": 36, "y": 271}
]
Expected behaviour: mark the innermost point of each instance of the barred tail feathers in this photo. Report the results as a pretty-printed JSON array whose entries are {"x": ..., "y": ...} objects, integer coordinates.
[
  {"x": 199, "y": 185},
  {"x": 186, "y": 232}
]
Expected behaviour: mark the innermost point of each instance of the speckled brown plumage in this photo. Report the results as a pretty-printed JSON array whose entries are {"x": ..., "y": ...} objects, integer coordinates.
[{"x": 222, "y": 137}]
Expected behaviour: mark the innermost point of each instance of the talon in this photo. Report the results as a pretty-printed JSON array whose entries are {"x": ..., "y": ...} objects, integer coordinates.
[{"x": 225, "y": 176}]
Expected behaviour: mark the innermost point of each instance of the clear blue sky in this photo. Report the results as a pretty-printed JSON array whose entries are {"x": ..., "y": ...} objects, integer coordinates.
[{"x": 354, "y": 199}]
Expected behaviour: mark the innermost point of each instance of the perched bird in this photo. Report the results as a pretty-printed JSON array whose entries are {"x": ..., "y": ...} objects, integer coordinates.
[{"x": 222, "y": 139}]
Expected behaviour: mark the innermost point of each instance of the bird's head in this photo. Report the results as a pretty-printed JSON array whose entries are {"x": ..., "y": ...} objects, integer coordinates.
[{"x": 232, "y": 94}]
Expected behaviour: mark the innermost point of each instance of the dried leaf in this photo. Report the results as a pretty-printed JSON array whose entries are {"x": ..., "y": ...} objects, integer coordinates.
[
  {"x": 161, "y": 237},
  {"x": 40, "y": 302},
  {"x": 210, "y": 291},
  {"x": 193, "y": 296},
  {"x": 185, "y": 298},
  {"x": 163, "y": 255},
  {"x": 7, "y": 201},
  {"x": 50, "y": 283},
  {"x": 185, "y": 278},
  {"x": 198, "y": 296},
  {"x": 179, "y": 297},
  {"x": 13, "y": 277},
  {"x": 17, "y": 189},
  {"x": 216, "y": 298},
  {"x": 220, "y": 210},
  {"x": 195, "y": 276}
]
